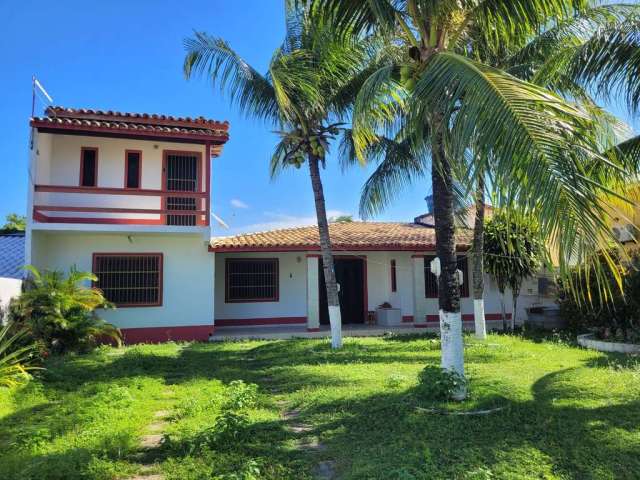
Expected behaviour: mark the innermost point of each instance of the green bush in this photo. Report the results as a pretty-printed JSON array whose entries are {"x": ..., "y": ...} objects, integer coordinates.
[
  {"x": 435, "y": 383},
  {"x": 16, "y": 356},
  {"x": 614, "y": 316},
  {"x": 59, "y": 311}
]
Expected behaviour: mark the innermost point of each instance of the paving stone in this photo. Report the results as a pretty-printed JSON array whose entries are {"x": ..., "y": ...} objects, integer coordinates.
[
  {"x": 291, "y": 414},
  {"x": 148, "y": 442},
  {"x": 157, "y": 426},
  {"x": 326, "y": 470},
  {"x": 155, "y": 476},
  {"x": 300, "y": 428},
  {"x": 311, "y": 444},
  {"x": 161, "y": 414}
]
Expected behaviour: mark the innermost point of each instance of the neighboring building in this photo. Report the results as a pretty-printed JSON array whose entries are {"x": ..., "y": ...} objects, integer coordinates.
[
  {"x": 274, "y": 278},
  {"x": 127, "y": 196},
  {"x": 11, "y": 263}
]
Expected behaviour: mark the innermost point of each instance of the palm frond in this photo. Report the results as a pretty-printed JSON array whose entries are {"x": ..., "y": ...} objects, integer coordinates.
[{"x": 213, "y": 57}]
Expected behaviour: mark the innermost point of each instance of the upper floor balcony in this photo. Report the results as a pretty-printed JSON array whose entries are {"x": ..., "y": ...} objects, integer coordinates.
[{"x": 109, "y": 168}]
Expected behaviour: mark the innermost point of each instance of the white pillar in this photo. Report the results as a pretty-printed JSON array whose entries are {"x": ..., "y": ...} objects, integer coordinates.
[
  {"x": 419, "y": 301},
  {"x": 313, "y": 294}
]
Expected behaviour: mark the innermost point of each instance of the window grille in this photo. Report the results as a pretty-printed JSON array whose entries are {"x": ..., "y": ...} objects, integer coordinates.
[
  {"x": 394, "y": 280},
  {"x": 431, "y": 281},
  {"x": 251, "y": 280},
  {"x": 129, "y": 279},
  {"x": 89, "y": 167},
  {"x": 182, "y": 176},
  {"x": 133, "y": 169}
]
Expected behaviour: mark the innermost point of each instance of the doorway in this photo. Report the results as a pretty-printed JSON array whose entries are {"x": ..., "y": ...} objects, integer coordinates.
[
  {"x": 351, "y": 275},
  {"x": 181, "y": 174}
]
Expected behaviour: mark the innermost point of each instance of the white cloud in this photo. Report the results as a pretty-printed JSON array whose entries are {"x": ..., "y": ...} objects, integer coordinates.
[
  {"x": 275, "y": 221},
  {"x": 238, "y": 203}
]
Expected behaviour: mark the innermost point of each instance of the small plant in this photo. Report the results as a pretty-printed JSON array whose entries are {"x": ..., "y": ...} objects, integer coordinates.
[
  {"x": 59, "y": 311},
  {"x": 241, "y": 395},
  {"x": 395, "y": 380},
  {"x": 16, "y": 357},
  {"x": 435, "y": 383}
]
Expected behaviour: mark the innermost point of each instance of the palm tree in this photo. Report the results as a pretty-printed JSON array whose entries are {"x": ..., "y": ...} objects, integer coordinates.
[
  {"x": 310, "y": 85},
  {"x": 544, "y": 150}
]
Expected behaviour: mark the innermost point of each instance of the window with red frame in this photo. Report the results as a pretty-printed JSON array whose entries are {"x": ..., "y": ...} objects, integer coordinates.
[
  {"x": 133, "y": 168},
  {"x": 394, "y": 279},
  {"x": 88, "y": 167},
  {"x": 129, "y": 280},
  {"x": 431, "y": 281},
  {"x": 251, "y": 280}
]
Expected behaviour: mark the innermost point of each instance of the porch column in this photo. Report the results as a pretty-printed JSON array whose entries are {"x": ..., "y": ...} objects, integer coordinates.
[
  {"x": 419, "y": 301},
  {"x": 313, "y": 294}
]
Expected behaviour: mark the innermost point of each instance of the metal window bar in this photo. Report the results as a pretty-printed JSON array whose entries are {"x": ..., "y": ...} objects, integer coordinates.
[
  {"x": 431, "y": 281},
  {"x": 251, "y": 280},
  {"x": 182, "y": 176},
  {"x": 128, "y": 279}
]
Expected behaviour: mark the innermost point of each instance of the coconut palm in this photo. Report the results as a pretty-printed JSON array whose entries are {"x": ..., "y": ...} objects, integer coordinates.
[
  {"x": 311, "y": 82},
  {"x": 450, "y": 99}
]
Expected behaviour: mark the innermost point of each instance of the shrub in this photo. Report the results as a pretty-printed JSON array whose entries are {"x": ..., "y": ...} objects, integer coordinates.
[
  {"x": 59, "y": 311},
  {"x": 614, "y": 316},
  {"x": 16, "y": 358},
  {"x": 435, "y": 383}
]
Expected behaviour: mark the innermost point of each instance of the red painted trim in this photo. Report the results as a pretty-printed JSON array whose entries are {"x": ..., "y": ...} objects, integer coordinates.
[
  {"x": 336, "y": 246},
  {"x": 115, "y": 191},
  {"x": 207, "y": 199},
  {"x": 260, "y": 321},
  {"x": 57, "y": 208},
  {"x": 95, "y": 177},
  {"x": 39, "y": 217},
  {"x": 140, "y": 254},
  {"x": 126, "y": 169},
  {"x": 469, "y": 317},
  {"x": 313, "y": 329},
  {"x": 394, "y": 278},
  {"x": 275, "y": 298},
  {"x": 420, "y": 325},
  {"x": 46, "y": 127},
  {"x": 407, "y": 318},
  {"x": 97, "y": 221},
  {"x": 166, "y": 334}
]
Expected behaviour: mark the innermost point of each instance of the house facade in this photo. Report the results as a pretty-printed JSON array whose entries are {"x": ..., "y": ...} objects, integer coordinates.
[{"x": 127, "y": 196}]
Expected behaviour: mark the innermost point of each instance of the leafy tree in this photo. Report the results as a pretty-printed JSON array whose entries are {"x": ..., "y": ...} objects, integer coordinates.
[
  {"x": 14, "y": 223},
  {"x": 512, "y": 252},
  {"x": 468, "y": 114},
  {"x": 342, "y": 219},
  {"x": 310, "y": 84},
  {"x": 59, "y": 311}
]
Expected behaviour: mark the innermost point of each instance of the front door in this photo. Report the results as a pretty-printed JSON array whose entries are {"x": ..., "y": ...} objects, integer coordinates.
[
  {"x": 350, "y": 275},
  {"x": 181, "y": 175}
]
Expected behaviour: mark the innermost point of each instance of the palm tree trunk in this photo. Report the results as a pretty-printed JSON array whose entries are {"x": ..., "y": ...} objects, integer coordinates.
[
  {"x": 448, "y": 288},
  {"x": 515, "y": 294},
  {"x": 333, "y": 300},
  {"x": 503, "y": 311},
  {"x": 478, "y": 260}
]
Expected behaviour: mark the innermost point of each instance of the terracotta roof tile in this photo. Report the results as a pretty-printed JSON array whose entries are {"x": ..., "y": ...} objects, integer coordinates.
[
  {"x": 133, "y": 123},
  {"x": 344, "y": 236}
]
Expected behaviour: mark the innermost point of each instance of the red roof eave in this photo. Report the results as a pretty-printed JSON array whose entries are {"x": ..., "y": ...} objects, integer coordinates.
[{"x": 336, "y": 248}]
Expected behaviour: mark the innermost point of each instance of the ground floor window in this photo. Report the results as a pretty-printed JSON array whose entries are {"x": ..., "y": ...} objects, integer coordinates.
[
  {"x": 431, "y": 281},
  {"x": 129, "y": 280},
  {"x": 251, "y": 280}
]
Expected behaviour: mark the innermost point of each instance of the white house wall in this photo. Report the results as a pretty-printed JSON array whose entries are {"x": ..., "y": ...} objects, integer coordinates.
[{"x": 188, "y": 272}]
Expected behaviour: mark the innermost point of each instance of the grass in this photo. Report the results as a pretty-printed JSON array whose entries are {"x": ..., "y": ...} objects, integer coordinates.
[{"x": 568, "y": 413}]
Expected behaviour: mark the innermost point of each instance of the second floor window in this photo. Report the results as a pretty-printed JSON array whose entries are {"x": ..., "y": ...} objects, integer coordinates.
[
  {"x": 89, "y": 167},
  {"x": 132, "y": 169}
]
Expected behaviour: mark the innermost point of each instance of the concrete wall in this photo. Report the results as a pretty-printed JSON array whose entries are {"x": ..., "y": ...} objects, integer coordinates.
[
  {"x": 188, "y": 272},
  {"x": 58, "y": 163},
  {"x": 292, "y": 301},
  {"x": 9, "y": 288}
]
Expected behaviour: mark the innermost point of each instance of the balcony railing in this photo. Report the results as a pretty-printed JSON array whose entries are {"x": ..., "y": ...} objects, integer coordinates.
[{"x": 99, "y": 205}]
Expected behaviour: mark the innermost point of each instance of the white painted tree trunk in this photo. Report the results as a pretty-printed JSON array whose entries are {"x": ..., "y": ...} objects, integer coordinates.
[
  {"x": 452, "y": 347},
  {"x": 335, "y": 321},
  {"x": 478, "y": 318}
]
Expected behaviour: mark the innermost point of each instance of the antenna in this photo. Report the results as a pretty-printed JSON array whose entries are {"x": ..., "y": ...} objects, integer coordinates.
[{"x": 35, "y": 84}]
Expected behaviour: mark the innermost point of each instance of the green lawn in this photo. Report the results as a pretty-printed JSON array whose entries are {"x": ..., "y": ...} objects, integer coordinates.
[{"x": 568, "y": 413}]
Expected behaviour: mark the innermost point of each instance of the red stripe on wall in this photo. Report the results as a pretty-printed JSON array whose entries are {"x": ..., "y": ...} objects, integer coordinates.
[
  {"x": 407, "y": 318},
  {"x": 199, "y": 333},
  {"x": 260, "y": 321}
]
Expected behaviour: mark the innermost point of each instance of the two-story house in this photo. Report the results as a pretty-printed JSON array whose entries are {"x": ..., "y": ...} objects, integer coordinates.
[{"x": 127, "y": 196}]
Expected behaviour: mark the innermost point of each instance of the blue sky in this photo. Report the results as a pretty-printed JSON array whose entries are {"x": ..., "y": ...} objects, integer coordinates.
[{"x": 127, "y": 56}]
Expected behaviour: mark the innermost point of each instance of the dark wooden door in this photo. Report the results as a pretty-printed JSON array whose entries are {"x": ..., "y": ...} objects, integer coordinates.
[{"x": 350, "y": 276}]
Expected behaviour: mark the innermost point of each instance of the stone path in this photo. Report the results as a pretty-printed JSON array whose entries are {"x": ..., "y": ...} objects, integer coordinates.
[
  {"x": 325, "y": 470},
  {"x": 148, "y": 444}
]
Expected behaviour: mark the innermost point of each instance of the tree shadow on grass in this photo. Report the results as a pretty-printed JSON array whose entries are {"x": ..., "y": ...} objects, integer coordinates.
[{"x": 527, "y": 439}]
